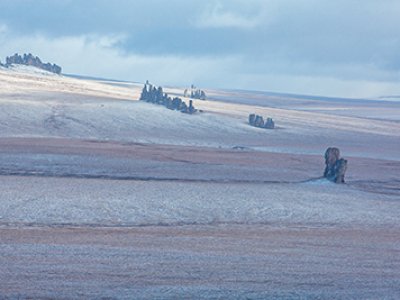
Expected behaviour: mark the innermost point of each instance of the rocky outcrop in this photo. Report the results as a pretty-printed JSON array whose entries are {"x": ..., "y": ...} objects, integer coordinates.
[
  {"x": 258, "y": 121},
  {"x": 195, "y": 93},
  {"x": 156, "y": 95},
  {"x": 30, "y": 60},
  {"x": 335, "y": 167},
  {"x": 270, "y": 124}
]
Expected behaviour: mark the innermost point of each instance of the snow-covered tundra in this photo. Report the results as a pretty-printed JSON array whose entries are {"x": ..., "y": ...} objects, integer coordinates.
[{"x": 106, "y": 196}]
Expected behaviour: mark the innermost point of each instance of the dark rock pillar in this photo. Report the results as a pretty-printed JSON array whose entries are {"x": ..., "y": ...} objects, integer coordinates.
[
  {"x": 340, "y": 170},
  {"x": 335, "y": 167},
  {"x": 252, "y": 118}
]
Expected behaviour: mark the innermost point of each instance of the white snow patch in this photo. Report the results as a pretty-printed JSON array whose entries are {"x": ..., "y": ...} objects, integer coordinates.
[{"x": 49, "y": 201}]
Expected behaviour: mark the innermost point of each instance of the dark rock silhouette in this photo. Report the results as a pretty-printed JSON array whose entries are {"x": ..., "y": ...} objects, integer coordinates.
[
  {"x": 195, "y": 93},
  {"x": 258, "y": 121},
  {"x": 191, "y": 108},
  {"x": 198, "y": 94},
  {"x": 340, "y": 170},
  {"x": 331, "y": 156},
  {"x": 252, "y": 118},
  {"x": 156, "y": 95},
  {"x": 30, "y": 60},
  {"x": 270, "y": 124},
  {"x": 335, "y": 167}
]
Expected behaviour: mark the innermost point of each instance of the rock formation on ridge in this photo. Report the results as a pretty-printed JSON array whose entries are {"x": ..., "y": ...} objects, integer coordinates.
[
  {"x": 156, "y": 95},
  {"x": 30, "y": 60},
  {"x": 258, "y": 121}
]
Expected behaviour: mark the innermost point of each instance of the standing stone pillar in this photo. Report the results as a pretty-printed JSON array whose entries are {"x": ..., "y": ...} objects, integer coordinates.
[{"x": 335, "y": 167}]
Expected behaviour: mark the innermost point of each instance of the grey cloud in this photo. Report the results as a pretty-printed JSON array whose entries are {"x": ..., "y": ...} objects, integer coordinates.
[{"x": 344, "y": 40}]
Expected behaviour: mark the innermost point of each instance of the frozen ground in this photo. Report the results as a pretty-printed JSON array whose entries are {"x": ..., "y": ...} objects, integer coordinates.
[
  {"x": 98, "y": 202},
  {"x": 200, "y": 262},
  {"x": 37, "y": 105},
  {"x": 105, "y": 196}
]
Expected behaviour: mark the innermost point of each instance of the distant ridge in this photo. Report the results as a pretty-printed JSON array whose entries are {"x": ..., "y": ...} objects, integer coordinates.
[{"x": 30, "y": 60}]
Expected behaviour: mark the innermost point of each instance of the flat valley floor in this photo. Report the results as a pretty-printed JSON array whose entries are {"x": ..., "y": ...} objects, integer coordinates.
[{"x": 200, "y": 262}]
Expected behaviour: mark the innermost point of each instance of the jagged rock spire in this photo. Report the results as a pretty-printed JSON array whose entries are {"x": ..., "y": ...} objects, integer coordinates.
[{"x": 31, "y": 60}]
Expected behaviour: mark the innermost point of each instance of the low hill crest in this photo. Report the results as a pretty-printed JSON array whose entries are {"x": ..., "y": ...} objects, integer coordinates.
[{"x": 31, "y": 60}]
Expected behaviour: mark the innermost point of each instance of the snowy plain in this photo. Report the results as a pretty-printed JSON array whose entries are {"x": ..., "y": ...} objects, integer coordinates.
[{"x": 84, "y": 157}]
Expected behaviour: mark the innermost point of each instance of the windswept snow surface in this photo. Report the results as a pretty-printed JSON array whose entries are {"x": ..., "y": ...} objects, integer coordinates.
[
  {"x": 158, "y": 204},
  {"x": 78, "y": 202},
  {"x": 38, "y": 105}
]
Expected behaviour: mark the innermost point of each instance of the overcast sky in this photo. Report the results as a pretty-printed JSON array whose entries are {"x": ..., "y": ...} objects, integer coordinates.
[{"x": 322, "y": 47}]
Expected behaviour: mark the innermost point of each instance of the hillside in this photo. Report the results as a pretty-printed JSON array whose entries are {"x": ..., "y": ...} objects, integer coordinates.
[
  {"x": 98, "y": 187},
  {"x": 112, "y": 135}
]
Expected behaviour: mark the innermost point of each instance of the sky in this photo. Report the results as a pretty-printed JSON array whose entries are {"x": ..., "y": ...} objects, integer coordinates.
[{"x": 341, "y": 48}]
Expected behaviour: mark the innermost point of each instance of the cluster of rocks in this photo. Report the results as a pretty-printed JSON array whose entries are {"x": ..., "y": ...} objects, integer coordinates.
[
  {"x": 335, "y": 167},
  {"x": 258, "y": 121},
  {"x": 156, "y": 95},
  {"x": 195, "y": 93},
  {"x": 30, "y": 60}
]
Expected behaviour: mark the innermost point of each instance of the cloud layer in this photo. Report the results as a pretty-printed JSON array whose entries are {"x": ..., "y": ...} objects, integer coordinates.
[{"x": 338, "y": 48}]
